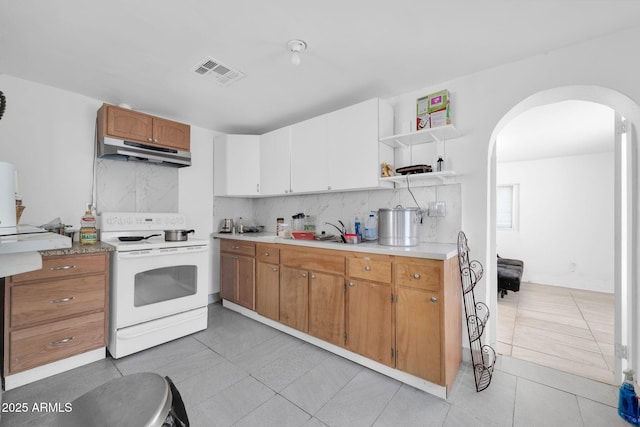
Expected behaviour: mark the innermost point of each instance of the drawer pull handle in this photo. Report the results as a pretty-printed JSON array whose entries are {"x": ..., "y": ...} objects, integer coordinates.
[
  {"x": 266, "y": 254},
  {"x": 64, "y": 267},
  {"x": 304, "y": 274},
  {"x": 235, "y": 247},
  {"x": 416, "y": 276},
  {"x": 60, "y": 300},
  {"x": 434, "y": 299},
  {"x": 62, "y": 341},
  {"x": 367, "y": 268}
]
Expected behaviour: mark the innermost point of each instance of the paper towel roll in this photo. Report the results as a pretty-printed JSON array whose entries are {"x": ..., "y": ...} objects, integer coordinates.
[{"x": 7, "y": 195}]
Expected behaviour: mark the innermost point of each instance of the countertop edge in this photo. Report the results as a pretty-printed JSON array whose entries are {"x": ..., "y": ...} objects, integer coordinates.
[
  {"x": 437, "y": 251},
  {"x": 76, "y": 248}
]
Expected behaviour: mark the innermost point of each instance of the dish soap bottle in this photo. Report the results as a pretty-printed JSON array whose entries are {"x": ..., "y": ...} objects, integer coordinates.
[
  {"x": 628, "y": 400},
  {"x": 358, "y": 227},
  {"x": 88, "y": 232}
]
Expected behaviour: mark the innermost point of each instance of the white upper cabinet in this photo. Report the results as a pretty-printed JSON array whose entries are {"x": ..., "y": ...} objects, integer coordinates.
[
  {"x": 236, "y": 165},
  {"x": 309, "y": 155},
  {"x": 275, "y": 162},
  {"x": 353, "y": 135}
]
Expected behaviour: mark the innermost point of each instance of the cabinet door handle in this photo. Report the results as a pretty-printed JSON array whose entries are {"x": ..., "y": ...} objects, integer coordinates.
[
  {"x": 234, "y": 257},
  {"x": 367, "y": 268},
  {"x": 313, "y": 276},
  {"x": 61, "y": 300},
  {"x": 351, "y": 284},
  {"x": 416, "y": 276},
  {"x": 304, "y": 274},
  {"x": 150, "y": 139},
  {"x": 62, "y": 341},
  {"x": 64, "y": 267},
  {"x": 274, "y": 269},
  {"x": 434, "y": 299}
]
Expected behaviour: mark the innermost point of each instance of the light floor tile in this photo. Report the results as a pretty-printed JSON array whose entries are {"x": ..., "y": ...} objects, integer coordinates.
[
  {"x": 554, "y": 325},
  {"x": 276, "y": 412},
  {"x": 231, "y": 404},
  {"x": 411, "y": 407},
  {"x": 562, "y": 364},
  {"x": 317, "y": 386},
  {"x": 595, "y": 414},
  {"x": 540, "y": 405},
  {"x": 360, "y": 402}
]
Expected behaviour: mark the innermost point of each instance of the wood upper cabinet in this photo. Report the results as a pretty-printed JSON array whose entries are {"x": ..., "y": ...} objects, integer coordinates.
[
  {"x": 58, "y": 311},
  {"x": 123, "y": 123},
  {"x": 237, "y": 272},
  {"x": 268, "y": 281},
  {"x": 370, "y": 320}
]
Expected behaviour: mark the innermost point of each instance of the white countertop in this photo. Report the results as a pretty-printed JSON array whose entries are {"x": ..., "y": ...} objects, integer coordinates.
[
  {"x": 19, "y": 252},
  {"x": 17, "y": 243},
  {"x": 439, "y": 251}
]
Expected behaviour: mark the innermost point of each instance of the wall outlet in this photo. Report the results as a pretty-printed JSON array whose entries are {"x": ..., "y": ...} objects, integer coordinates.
[{"x": 437, "y": 209}]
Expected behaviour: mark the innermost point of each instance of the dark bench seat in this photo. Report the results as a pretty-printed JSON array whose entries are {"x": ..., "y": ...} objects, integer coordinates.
[{"x": 509, "y": 275}]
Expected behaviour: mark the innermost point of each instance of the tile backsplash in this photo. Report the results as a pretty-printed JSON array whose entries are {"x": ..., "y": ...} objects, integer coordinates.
[
  {"x": 135, "y": 187},
  {"x": 345, "y": 206}
]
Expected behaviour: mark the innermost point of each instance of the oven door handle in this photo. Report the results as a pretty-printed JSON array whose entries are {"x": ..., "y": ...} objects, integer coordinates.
[{"x": 162, "y": 251}]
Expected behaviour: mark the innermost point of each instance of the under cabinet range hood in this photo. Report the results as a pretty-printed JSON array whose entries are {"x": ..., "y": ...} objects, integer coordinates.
[{"x": 119, "y": 149}]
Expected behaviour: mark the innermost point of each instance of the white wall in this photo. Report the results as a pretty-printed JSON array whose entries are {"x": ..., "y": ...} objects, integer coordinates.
[
  {"x": 566, "y": 220},
  {"x": 49, "y": 135}
]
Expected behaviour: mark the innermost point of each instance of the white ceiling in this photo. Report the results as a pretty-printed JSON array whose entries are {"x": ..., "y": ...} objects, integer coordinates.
[
  {"x": 142, "y": 52},
  {"x": 556, "y": 130}
]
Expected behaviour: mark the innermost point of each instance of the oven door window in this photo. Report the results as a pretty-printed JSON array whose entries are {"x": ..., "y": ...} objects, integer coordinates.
[{"x": 164, "y": 284}]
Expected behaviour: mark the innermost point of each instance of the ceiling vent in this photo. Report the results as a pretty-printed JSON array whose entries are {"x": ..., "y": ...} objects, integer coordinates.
[{"x": 223, "y": 74}]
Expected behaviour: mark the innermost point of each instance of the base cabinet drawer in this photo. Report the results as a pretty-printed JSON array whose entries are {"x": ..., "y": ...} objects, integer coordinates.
[
  {"x": 65, "y": 266},
  {"x": 38, "y": 345},
  {"x": 39, "y": 302}
]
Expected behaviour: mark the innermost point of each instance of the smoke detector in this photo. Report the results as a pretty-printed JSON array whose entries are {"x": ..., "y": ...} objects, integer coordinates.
[{"x": 221, "y": 73}]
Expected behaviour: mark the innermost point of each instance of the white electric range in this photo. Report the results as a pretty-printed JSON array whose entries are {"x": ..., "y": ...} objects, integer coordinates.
[{"x": 158, "y": 288}]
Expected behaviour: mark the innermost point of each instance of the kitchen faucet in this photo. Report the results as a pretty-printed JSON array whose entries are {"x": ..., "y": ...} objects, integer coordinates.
[{"x": 342, "y": 231}]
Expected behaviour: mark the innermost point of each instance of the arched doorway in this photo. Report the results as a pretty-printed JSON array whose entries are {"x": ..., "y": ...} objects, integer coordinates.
[{"x": 626, "y": 211}]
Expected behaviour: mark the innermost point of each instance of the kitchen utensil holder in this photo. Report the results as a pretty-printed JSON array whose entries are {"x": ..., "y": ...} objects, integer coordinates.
[{"x": 483, "y": 357}]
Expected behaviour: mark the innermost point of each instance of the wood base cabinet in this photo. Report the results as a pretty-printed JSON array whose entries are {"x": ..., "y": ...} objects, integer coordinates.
[
  {"x": 237, "y": 272},
  {"x": 370, "y": 320},
  {"x": 428, "y": 318},
  {"x": 56, "y": 312},
  {"x": 268, "y": 281},
  {"x": 402, "y": 312}
]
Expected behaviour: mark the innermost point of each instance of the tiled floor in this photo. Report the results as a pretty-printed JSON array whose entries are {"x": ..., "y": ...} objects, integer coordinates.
[
  {"x": 242, "y": 373},
  {"x": 567, "y": 329}
]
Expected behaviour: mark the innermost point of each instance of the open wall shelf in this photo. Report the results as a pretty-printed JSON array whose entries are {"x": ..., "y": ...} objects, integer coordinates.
[
  {"x": 423, "y": 136},
  {"x": 423, "y": 179}
]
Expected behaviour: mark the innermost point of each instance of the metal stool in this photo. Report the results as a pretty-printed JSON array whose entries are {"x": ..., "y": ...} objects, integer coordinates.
[{"x": 144, "y": 399}]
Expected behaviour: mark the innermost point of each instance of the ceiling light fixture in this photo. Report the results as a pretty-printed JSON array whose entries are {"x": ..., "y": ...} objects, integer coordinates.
[{"x": 296, "y": 46}]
